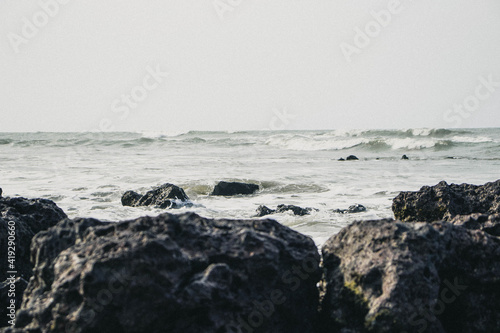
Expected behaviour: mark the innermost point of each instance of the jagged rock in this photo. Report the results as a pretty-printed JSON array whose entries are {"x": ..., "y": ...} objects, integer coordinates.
[
  {"x": 172, "y": 273},
  {"x": 164, "y": 196},
  {"x": 263, "y": 210},
  {"x": 23, "y": 218},
  {"x": 487, "y": 223},
  {"x": 27, "y": 217},
  {"x": 351, "y": 158},
  {"x": 234, "y": 188},
  {"x": 11, "y": 289},
  {"x": 388, "y": 276},
  {"x": 357, "y": 208},
  {"x": 443, "y": 201}
]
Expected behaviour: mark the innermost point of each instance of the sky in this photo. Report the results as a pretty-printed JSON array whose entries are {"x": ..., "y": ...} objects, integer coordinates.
[{"x": 180, "y": 65}]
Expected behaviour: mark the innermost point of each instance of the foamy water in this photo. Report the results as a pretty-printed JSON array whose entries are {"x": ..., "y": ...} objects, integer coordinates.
[{"x": 86, "y": 173}]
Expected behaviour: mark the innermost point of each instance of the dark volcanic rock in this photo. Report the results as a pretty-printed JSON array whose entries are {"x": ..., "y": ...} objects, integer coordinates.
[
  {"x": 30, "y": 216},
  {"x": 25, "y": 217},
  {"x": 357, "y": 208},
  {"x": 351, "y": 158},
  {"x": 165, "y": 196},
  {"x": 487, "y": 223},
  {"x": 388, "y": 276},
  {"x": 234, "y": 188},
  {"x": 443, "y": 201},
  {"x": 341, "y": 159},
  {"x": 172, "y": 273},
  {"x": 10, "y": 289},
  {"x": 263, "y": 210},
  {"x": 404, "y": 157}
]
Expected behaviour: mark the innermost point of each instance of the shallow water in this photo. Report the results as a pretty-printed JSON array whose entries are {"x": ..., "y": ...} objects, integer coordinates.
[{"x": 86, "y": 173}]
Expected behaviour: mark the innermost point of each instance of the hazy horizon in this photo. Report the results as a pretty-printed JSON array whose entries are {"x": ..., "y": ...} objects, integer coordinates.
[{"x": 73, "y": 66}]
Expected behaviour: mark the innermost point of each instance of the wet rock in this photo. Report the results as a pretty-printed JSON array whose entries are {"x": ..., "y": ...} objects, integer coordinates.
[
  {"x": 443, "y": 201},
  {"x": 296, "y": 210},
  {"x": 341, "y": 159},
  {"x": 388, "y": 276},
  {"x": 264, "y": 210},
  {"x": 164, "y": 196},
  {"x": 484, "y": 222},
  {"x": 234, "y": 188},
  {"x": 0, "y": 192},
  {"x": 357, "y": 208},
  {"x": 404, "y": 157},
  {"x": 11, "y": 289},
  {"x": 351, "y": 158},
  {"x": 172, "y": 273}
]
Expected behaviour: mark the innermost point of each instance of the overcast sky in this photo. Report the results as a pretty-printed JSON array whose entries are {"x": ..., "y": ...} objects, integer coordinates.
[{"x": 183, "y": 65}]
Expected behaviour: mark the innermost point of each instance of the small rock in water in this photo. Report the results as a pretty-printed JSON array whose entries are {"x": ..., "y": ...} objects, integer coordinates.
[
  {"x": 351, "y": 158},
  {"x": 295, "y": 209},
  {"x": 404, "y": 157},
  {"x": 234, "y": 188},
  {"x": 164, "y": 196},
  {"x": 0, "y": 192},
  {"x": 264, "y": 210},
  {"x": 341, "y": 159},
  {"x": 357, "y": 208}
]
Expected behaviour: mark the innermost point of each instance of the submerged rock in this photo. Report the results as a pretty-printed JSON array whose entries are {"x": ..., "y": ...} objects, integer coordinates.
[
  {"x": 351, "y": 158},
  {"x": 172, "y": 273},
  {"x": 443, "y": 201},
  {"x": 487, "y": 223},
  {"x": 164, "y": 196},
  {"x": 234, "y": 188},
  {"x": 357, "y": 208},
  {"x": 263, "y": 210},
  {"x": 388, "y": 276}
]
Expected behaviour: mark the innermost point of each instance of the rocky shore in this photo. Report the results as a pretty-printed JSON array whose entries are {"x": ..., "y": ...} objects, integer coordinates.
[{"x": 436, "y": 268}]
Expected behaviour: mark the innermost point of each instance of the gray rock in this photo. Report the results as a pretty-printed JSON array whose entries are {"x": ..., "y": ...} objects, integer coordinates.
[
  {"x": 172, "y": 273},
  {"x": 443, "y": 201},
  {"x": 351, "y": 158},
  {"x": 404, "y": 157},
  {"x": 234, "y": 188},
  {"x": 263, "y": 210},
  {"x": 388, "y": 276},
  {"x": 357, "y": 208},
  {"x": 487, "y": 223},
  {"x": 164, "y": 196}
]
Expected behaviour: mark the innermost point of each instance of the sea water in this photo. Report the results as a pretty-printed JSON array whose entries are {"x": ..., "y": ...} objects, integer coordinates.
[{"x": 86, "y": 173}]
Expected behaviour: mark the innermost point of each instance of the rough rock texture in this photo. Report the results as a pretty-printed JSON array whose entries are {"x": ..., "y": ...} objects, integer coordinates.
[
  {"x": 234, "y": 188},
  {"x": 388, "y": 276},
  {"x": 263, "y": 210},
  {"x": 357, "y": 208},
  {"x": 172, "y": 273},
  {"x": 487, "y": 223},
  {"x": 10, "y": 289},
  {"x": 165, "y": 196},
  {"x": 443, "y": 201},
  {"x": 30, "y": 217}
]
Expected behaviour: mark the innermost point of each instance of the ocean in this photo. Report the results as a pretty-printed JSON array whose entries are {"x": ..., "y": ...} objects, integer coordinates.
[{"x": 86, "y": 173}]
